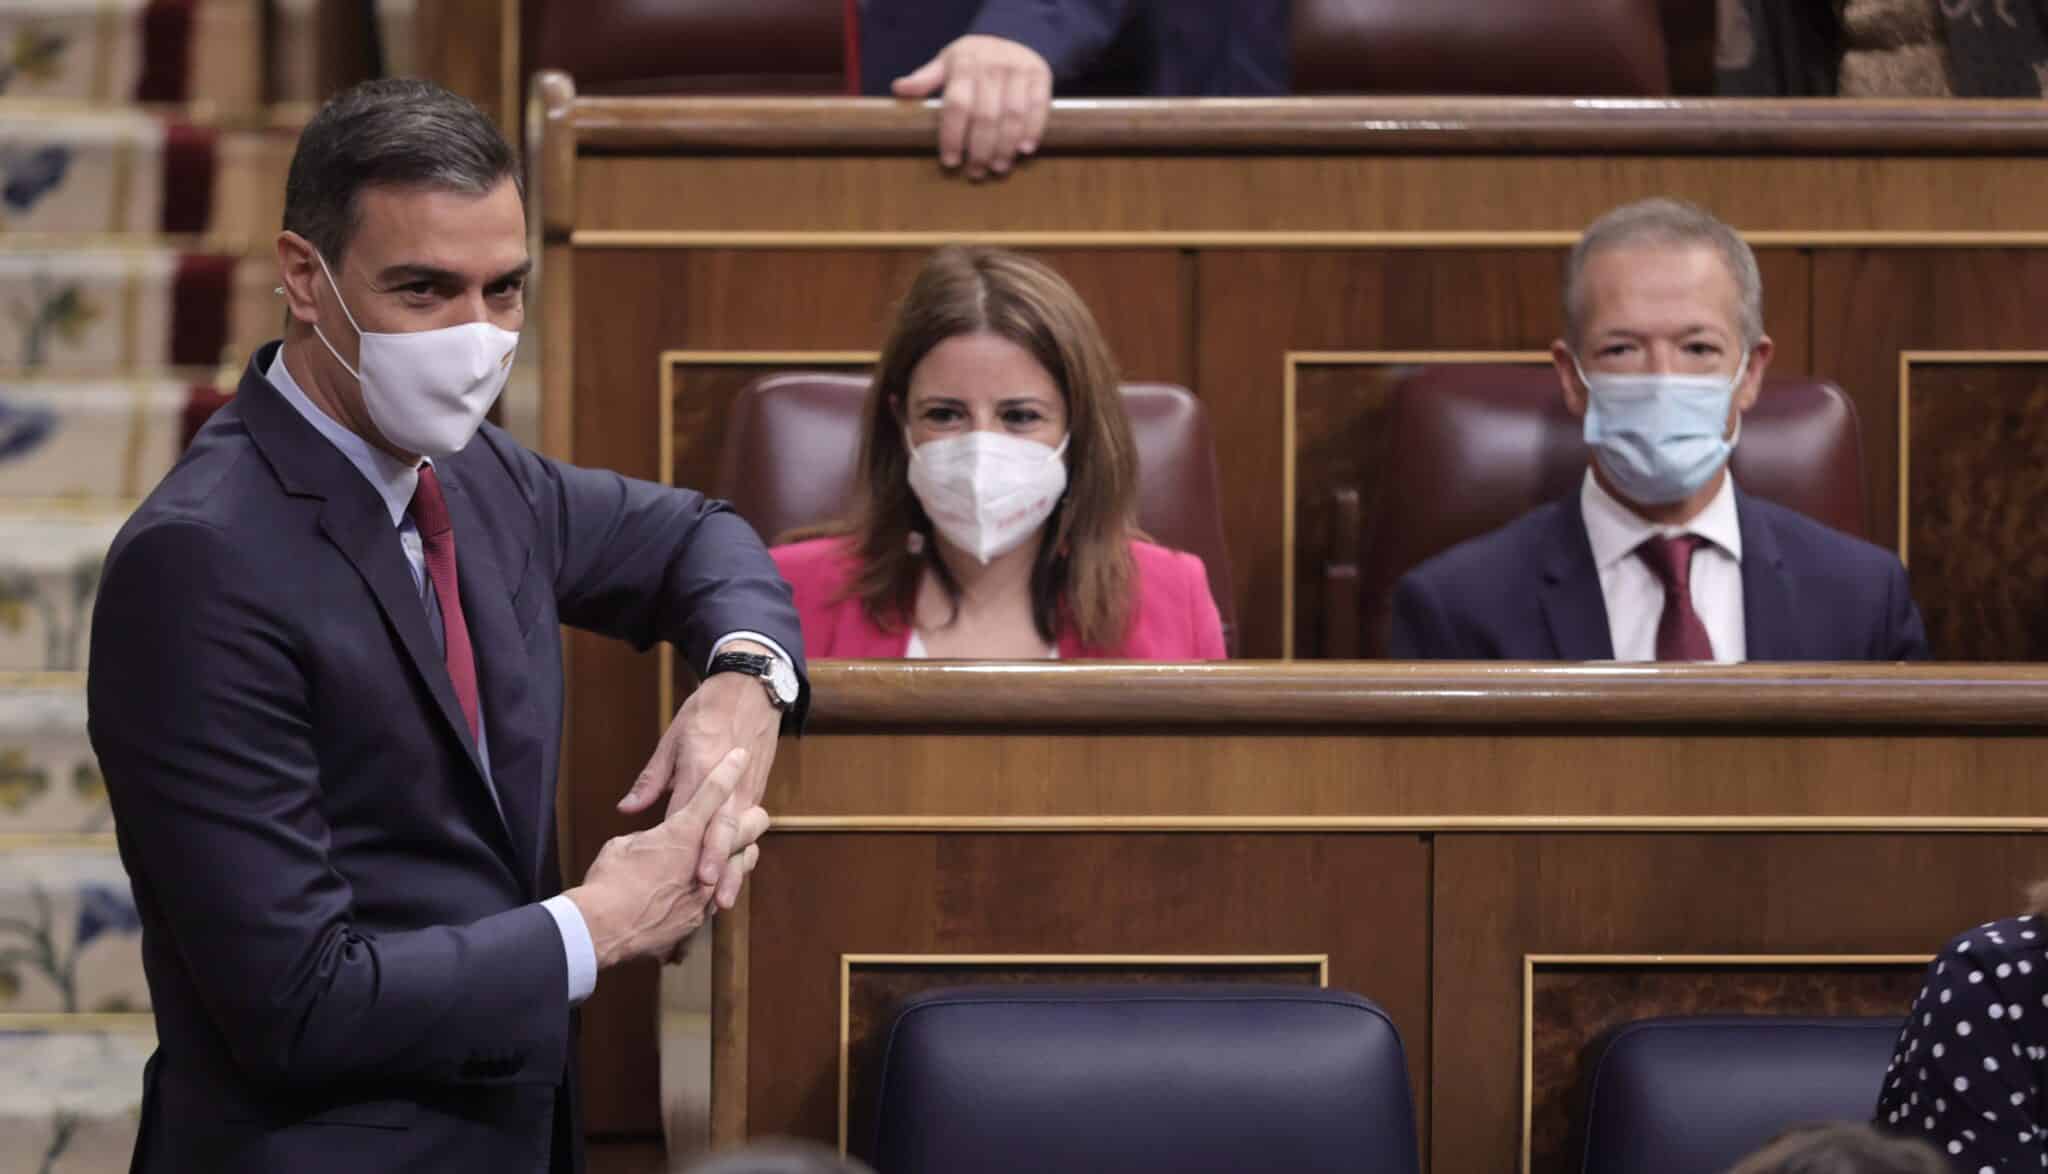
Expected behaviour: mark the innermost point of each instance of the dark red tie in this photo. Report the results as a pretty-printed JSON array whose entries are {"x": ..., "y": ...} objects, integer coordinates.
[
  {"x": 429, "y": 512},
  {"x": 1680, "y": 634}
]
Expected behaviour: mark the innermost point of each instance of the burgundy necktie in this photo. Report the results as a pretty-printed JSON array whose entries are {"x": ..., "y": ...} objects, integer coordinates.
[
  {"x": 1680, "y": 634},
  {"x": 429, "y": 512}
]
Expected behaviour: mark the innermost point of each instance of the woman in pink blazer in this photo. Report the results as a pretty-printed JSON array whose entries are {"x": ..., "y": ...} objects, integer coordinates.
[{"x": 994, "y": 514}]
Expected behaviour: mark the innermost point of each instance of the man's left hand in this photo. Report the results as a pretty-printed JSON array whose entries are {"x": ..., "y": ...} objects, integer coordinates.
[{"x": 727, "y": 710}]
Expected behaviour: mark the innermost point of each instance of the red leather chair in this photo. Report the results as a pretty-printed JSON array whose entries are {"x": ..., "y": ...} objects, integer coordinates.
[
  {"x": 1603, "y": 47},
  {"x": 699, "y": 47},
  {"x": 793, "y": 438},
  {"x": 1491, "y": 443}
]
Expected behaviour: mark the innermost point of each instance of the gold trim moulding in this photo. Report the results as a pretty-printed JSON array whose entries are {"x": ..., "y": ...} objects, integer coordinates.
[
  {"x": 655, "y": 238},
  {"x": 1592, "y": 824}
]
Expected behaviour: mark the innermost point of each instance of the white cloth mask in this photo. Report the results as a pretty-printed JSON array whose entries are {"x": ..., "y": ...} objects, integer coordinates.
[
  {"x": 1659, "y": 437},
  {"x": 986, "y": 492},
  {"x": 427, "y": 391}
]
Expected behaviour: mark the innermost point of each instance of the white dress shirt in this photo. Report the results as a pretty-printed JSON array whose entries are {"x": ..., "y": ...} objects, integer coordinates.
[
  {"x": 395, "y": 481},
  {"x": 1632, "y": 591}
]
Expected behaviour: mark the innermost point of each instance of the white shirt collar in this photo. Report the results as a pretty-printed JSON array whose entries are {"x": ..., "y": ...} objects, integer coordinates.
[
  {"x": 393, "y": 479},
  {"x": 1616, "y": 530}
]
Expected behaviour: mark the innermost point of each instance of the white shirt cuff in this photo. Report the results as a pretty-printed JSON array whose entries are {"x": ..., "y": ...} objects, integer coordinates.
[
  {"x": 757, "y": 638},
  {"x": 576, "y": 945}
]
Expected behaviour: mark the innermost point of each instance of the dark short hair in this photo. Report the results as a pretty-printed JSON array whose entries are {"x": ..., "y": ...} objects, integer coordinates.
[{"x": 392, "y": 132}]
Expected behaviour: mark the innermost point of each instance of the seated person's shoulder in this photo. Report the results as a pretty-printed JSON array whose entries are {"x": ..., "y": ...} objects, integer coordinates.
[
  {"x": 1832, "y": 552},
  {"x": 1496, "y": 560},
  {"x": 823, "y": 561},
  {"x": 2017, "y": 944},
  {"x": 1163, "y": 562}
]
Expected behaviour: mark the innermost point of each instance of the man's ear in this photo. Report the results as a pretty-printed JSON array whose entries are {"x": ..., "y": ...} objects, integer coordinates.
[
  {"x": 1568, "y": 377},
  {"x": 298, "y": 269},
  {"x": 1753, "y": 381}
]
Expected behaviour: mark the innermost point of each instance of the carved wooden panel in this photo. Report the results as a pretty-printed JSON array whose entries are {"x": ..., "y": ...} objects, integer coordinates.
[
  {"x": 1975, "y": 437},
  {"x": 1573, "y": 1004}
]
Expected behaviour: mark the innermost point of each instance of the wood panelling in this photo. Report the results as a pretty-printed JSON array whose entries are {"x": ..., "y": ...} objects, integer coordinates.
[
  {"x": 1362, "y": 900},
  {"x": 1379, "y": 125},
  {"x": 1572, "y": 1006},
  {"x": 1977, "y": 446},
  {"x": 1499, "y": 898},
  {"x": 1871, "y": 306},
  {"x": 828, "y": 193},
  {"x": 876, "y": 989}
]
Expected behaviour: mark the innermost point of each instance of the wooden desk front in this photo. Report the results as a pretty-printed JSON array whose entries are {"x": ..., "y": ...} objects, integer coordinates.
[
  {"x": 1508, "y": 859},
  {"x": 1287, "y": 260}
]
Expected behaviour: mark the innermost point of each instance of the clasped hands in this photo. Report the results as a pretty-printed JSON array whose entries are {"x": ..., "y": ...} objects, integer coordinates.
[{"x": 649, "y": 890}]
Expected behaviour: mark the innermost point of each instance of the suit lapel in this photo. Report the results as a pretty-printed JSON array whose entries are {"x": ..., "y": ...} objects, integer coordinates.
[
  {"x": 355, "y": 519},
  {"x": 1573, "y": 607},
  {"x": 1769, "y": 601},
  {"x": 506, "y": 696}
]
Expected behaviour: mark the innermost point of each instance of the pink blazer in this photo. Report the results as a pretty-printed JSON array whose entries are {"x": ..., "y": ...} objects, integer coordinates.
[{"x": 1175, "y": 618}]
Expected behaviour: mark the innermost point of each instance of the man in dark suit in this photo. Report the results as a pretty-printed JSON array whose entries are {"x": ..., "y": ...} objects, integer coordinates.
[
  {"x": 326, "y": 692},
  {"x": 996, "y": 63},
  {"x": 1659, "y": 556}
]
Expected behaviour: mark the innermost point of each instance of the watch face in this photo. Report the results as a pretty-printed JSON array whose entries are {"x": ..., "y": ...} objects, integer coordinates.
[{"x": 782, "y": 679}]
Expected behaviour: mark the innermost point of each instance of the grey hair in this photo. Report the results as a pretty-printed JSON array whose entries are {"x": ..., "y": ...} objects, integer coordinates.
[
  {"x": 393, "y": 132},
  {"x": 1665, "y": 221}
]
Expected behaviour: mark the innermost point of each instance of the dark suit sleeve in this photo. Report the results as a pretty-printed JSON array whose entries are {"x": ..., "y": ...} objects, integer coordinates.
[
  {"x": 1069, "y": 34},
  {"x": 642, "y": 562},
  {"x": 1906, "y": 636},
  {"x": 203, "y": 723},
  {"x": 1420, "y": 631}
]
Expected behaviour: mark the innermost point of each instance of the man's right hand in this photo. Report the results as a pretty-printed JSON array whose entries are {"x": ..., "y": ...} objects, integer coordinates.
[
  {"x": 641, "y": 897},
  {"x": 997, "y": 95}
]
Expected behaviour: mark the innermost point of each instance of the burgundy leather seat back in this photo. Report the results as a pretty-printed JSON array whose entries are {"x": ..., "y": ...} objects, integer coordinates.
[
  {"x": 691, "y": 46},
  {"x": 1591, "y": 47},
  {"x": 793, "y": 438},
  {"x": 1490, "y": 443}
]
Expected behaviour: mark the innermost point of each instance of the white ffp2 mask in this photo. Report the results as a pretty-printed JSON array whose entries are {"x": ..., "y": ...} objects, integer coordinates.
[
  {"x": 427, "y": 391},
  {"x": 987, "y": 492}
]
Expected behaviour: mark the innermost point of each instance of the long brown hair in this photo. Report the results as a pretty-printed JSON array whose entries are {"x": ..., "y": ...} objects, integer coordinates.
[{"x": 1083, "y": 573}]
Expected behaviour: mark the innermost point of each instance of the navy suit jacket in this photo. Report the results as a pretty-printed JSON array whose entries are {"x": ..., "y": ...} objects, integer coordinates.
[
  {"x": 1169, "y": 48},
  {"x": 347, "y": 963},
  {"x": 1530, "y": 591}
]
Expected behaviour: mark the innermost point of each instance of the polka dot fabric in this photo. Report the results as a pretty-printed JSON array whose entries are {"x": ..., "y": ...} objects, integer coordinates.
[{"x": 1967, "y": 1073}]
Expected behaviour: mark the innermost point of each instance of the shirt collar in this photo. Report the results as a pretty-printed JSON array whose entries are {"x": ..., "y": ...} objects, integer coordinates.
[
  {"x": 393, "y": 479},
  {"x": 1614, "y": 530}
]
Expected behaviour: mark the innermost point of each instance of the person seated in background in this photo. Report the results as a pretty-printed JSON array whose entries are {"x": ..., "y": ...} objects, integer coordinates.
[
  {"x": 995, "y": 509},
  {"x": 1659, "y": 555},
  {"x": 1841, "y": 1147},
  {"x": 995, "y": 63},
  {"x": 1966, "y": 1074}
]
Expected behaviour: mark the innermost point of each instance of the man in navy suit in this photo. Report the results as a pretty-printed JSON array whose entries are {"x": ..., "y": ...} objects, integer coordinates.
[
  {"x": 995, "y": 63},
  {"x": 1659, "y": 555},
  {"x": 326, "y": 692}
]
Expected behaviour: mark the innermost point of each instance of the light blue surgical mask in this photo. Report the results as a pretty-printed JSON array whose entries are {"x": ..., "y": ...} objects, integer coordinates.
[{"x": 1659, "y": 437}]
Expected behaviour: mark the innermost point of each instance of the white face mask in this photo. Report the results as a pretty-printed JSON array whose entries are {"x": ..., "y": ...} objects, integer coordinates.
[
  {"x": 427, "y": 391},
  {"x": 987, "y": 492}
]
